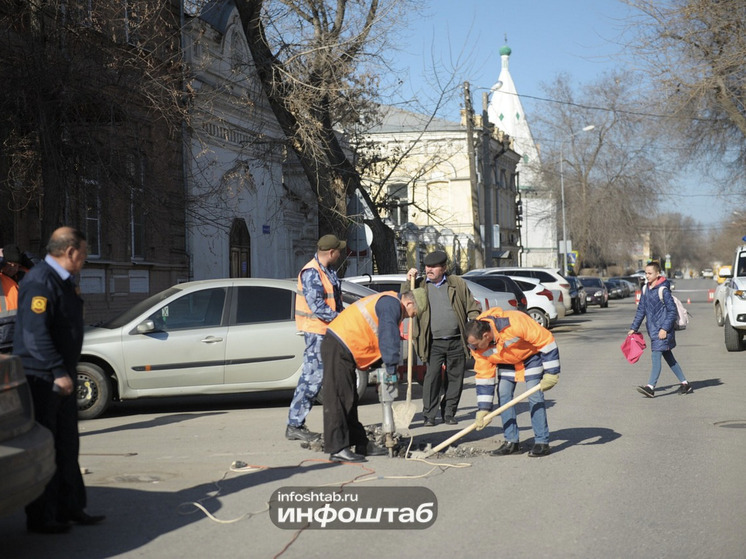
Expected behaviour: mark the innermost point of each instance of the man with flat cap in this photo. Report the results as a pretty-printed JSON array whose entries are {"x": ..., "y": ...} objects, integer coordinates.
[
  {"x": 317, "y": 303},
  {"x": 438, "y": 334}
]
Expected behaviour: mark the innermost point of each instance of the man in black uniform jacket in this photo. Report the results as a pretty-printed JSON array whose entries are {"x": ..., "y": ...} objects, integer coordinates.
[{"x": 48, "y": 339}]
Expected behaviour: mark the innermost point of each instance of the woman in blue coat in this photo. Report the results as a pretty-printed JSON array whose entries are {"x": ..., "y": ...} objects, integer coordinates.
[{"x": 660, "y": 314}]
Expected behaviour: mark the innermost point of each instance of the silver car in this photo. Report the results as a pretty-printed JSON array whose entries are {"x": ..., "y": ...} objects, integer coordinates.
[{"x": 206, "y": 337}]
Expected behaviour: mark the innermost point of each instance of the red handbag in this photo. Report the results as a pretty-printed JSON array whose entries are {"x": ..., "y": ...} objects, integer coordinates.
[{"x": 633, "y": 347}]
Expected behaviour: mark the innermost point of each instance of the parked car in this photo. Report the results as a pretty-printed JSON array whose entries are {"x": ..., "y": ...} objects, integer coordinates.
[
  {"x": 540, "y": 301},
  {"x": 614, "y": 290},
  {"x": 636, "y": 280},
  {"x": 734, "y": 303},
  {"x": 26, "y": 448},
  {"x": 708, "y": 273},
  {"x": 206, "y": 337},
  {"x": 626, "y": 288},
  {"x": 505, "y": 284},
  {"x": 550, "y": 277},
  {"x": 597, "y": 293},
  {"x": 578, "y": 295}
]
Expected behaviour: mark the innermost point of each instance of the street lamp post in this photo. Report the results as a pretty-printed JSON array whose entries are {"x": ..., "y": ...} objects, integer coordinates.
[{"x": 562, "y": 192}]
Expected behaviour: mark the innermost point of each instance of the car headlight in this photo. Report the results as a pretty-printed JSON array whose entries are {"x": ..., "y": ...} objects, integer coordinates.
[{"x": 740, "y": 293}]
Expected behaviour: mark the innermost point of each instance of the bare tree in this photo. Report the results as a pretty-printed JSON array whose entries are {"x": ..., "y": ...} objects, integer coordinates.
[
  {"x": 310, "y": 57},
  {"x": 611, "y": 181},
  {"x": 695, "y": 52},
  {"x": 67, "y": 68}
]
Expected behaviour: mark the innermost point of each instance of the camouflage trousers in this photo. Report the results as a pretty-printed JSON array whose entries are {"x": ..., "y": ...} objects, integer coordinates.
[{"x": 309, "y": 384}]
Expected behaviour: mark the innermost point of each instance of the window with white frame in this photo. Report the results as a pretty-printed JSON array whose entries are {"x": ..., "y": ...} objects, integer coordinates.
[
  {"x": 135, "y": 173},
  {"x": 92, "y": 205},
  {"x": 398, "y": 203}
]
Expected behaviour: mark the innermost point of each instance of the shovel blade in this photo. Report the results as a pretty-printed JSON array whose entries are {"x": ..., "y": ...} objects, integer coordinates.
[{"x": 403, "y": 414}]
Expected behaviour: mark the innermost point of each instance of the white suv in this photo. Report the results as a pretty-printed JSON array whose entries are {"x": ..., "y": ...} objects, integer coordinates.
[
  {"x": 733, "y": 296},
  {"x": 550, "y": 277}
]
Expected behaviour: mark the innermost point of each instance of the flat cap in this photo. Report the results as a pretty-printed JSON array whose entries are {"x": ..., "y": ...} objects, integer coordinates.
[
  {"x": 436, "y": 258},
  {"x": 329, "y": 242}
]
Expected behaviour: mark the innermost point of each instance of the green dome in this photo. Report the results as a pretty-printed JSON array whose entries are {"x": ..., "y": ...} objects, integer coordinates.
[{"x": 505, "y": 51}]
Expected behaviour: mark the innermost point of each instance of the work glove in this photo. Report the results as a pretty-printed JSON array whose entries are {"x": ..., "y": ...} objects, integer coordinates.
[
  {"x": 548, "y": 382},
  {"x": 481, "y": 420}
]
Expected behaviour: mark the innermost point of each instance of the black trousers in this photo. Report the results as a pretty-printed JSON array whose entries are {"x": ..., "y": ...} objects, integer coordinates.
[
  {"x": 65, "y": 493},
  {"x": 342, "y": 428},
  {"x": 451, "y": 354}
]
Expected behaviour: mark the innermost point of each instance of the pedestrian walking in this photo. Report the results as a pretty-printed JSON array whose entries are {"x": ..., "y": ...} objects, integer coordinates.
[
  {"x": 48, "y": 339},
  {"x": 317, "y": 303},
  {"x": 513, "y": 347},
  {"x": 364, "y": 334},
  {"x": 438, "y": 335},
  {"x": 658, "y": 309}
]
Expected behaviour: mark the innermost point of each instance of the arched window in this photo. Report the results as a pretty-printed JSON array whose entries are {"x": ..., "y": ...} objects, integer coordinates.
[{"x": 240, "y": 249}]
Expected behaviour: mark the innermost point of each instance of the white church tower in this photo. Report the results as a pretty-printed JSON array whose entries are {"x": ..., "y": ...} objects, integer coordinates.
[{"x": 539, "y": 226}]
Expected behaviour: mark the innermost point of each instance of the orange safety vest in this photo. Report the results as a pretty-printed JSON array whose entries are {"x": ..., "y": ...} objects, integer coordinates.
[
  {"x": 9, "y": 297},
  {"x": 513, "y": 345},
  {"x": 357, "y": 328},
  {"x": 305, "y": 320}
]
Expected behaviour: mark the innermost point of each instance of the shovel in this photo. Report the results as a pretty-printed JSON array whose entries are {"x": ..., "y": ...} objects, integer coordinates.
[
  {"x": 404, "y": 411},
  {"x": 420, "y": 455}
]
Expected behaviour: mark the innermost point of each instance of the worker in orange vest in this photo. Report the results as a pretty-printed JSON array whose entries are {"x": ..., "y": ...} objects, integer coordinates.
[
  {"x": 364, "y": 334},
  {"x": 317, "y": 302},
  {"x": 511, "y": 347}
]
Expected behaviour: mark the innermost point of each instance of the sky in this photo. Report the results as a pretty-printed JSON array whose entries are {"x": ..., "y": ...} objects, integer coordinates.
[{"x": 582, "y": 38}]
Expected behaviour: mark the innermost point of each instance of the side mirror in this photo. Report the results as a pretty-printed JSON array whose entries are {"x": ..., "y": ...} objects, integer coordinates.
[{"x": 145, "y": 327}]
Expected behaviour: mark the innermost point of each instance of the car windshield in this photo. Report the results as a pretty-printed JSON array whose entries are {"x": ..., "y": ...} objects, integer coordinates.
[
  {"x": 591, "y": 282},
  {"x": 132, "y": 313}
]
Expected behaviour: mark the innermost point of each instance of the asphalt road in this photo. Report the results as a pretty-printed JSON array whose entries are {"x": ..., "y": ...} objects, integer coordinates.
[{"x": 628, "y": 476}]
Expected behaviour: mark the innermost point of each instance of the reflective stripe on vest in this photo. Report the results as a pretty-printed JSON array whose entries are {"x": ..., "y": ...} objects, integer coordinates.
[
  {"x": 357, "y": 328},
  {"x": 305, "y": 319}
]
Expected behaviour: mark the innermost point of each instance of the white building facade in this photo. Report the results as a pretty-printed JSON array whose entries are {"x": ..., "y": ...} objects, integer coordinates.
[
  {"x": 250, "y": 211},
  {"x": 539, "y": 209}
]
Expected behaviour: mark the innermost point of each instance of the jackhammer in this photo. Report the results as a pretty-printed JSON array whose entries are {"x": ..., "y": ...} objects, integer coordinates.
[{"x": 388, "y": 391}]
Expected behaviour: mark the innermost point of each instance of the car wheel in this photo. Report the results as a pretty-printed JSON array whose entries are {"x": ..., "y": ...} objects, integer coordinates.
[
  {"x": 539, "y": 316},
  {"x": 361, "y": 380},
  {"x": 733, "y": 337},
  {"x": 584, "y": 309},
  {"x": 719, "y": 315},
  {"x": 93, "y": 391}
]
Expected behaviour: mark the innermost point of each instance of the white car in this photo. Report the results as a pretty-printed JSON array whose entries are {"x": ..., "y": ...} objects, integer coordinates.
[
  {"x": 220, "y": 336},
  {"x": 539, "y": 300},
  {"x": 732, "y": 293},
  {"x": 550, "y": 277}
]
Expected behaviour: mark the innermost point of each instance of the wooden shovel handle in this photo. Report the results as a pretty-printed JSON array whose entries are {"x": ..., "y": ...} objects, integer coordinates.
[
  {"x": 490, "y": 415},
  {"x": 410, "y": 343}
]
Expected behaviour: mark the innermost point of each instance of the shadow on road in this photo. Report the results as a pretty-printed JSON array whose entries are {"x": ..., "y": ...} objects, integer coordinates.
[
  {"x": 147, "y": 424},
  {"x": 582, "y": 436},
  {"x": 135, "y": 517},
  {"x": 672, "y": 389}
]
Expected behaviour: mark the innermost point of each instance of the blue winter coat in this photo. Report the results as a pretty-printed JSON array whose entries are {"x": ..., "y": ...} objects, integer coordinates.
[{"x": 658, "y": 314}]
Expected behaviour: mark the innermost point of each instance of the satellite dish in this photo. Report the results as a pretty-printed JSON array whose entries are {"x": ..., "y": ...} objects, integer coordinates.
[{"x": 359, "y": 237}]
